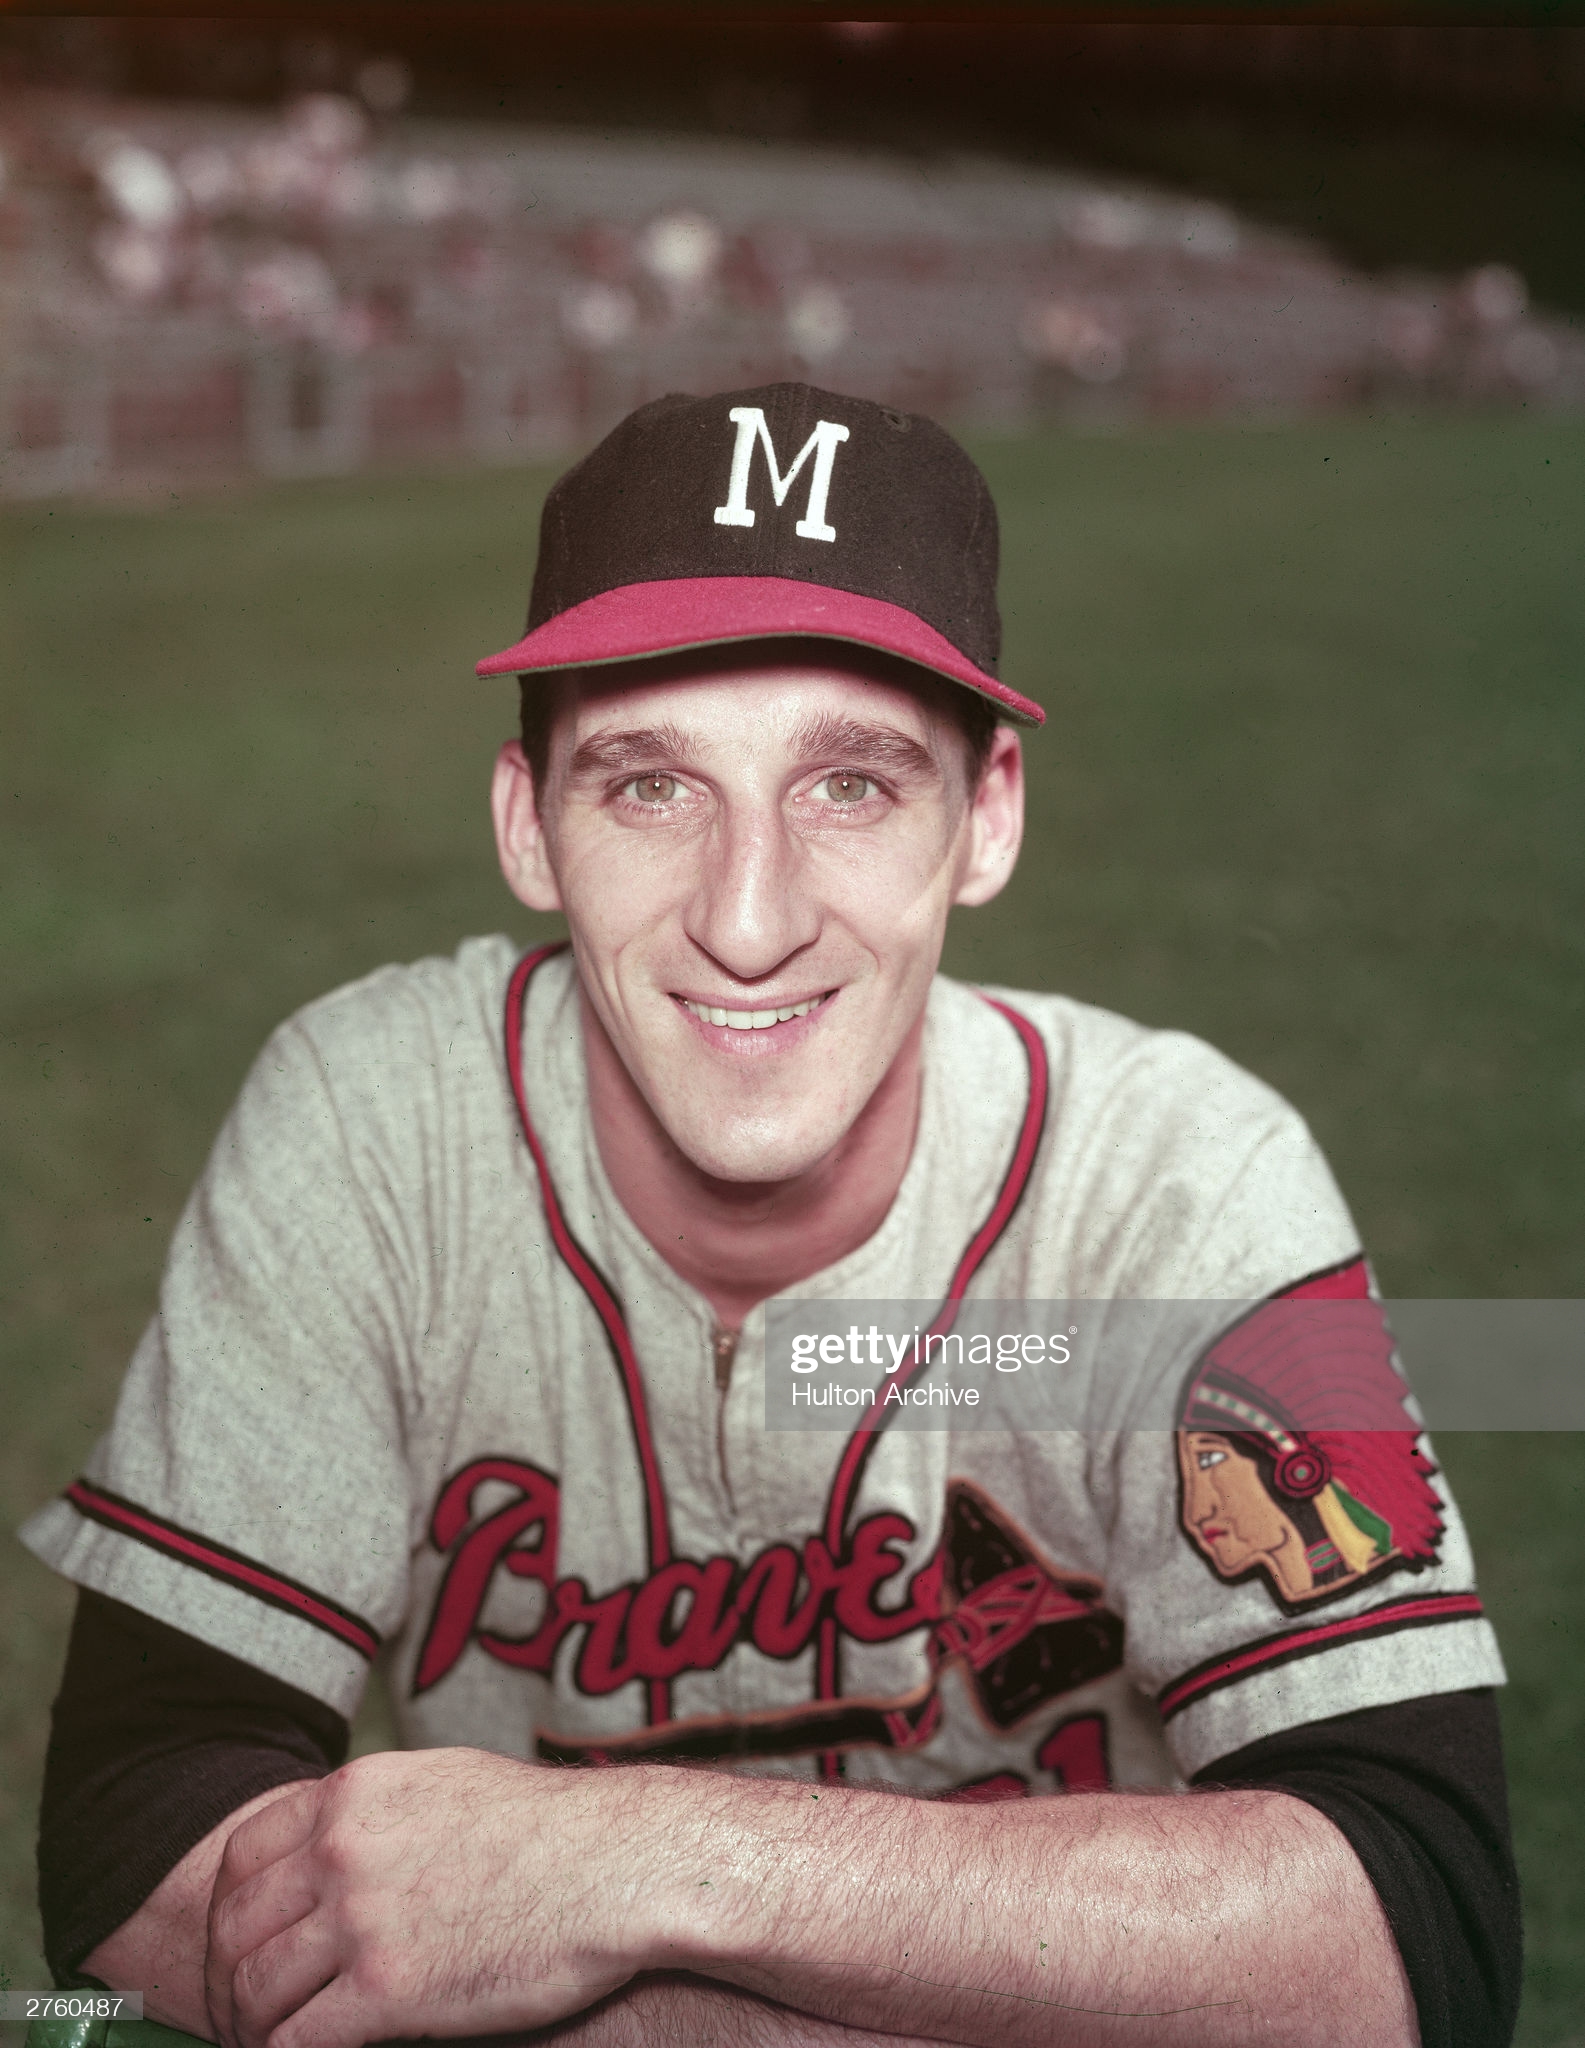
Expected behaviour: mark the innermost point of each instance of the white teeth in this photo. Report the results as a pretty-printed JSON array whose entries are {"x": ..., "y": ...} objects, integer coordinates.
[{"x": 749, "y": 1020}]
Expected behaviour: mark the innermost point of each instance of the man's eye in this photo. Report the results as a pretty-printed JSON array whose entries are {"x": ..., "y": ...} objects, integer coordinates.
[
  {"x": 652, "y": 789},
  {"x": 846, "y": 789}
]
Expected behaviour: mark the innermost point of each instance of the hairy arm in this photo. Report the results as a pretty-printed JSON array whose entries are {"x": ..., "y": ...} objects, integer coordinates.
[
  {"x": 671, "y": 2011},
  {"x": 1216, "y": 1919},
  {"x": 161, "y": 1950},
  {"x": 454, "y": 1893}
]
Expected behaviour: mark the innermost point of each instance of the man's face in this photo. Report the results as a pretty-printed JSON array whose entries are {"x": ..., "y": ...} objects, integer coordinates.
[{"x": 756, "y": 859}]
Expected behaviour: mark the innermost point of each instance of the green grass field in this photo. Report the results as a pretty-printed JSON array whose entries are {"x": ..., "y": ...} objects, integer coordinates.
[{"x": 1311, "y": 787}]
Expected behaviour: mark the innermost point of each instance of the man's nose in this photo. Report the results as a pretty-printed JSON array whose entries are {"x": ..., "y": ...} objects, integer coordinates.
[{"x": 753, "y": 907}]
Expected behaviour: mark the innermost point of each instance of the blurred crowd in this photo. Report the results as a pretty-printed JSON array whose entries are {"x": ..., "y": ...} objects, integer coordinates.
[{"x": 200, "y": 288}]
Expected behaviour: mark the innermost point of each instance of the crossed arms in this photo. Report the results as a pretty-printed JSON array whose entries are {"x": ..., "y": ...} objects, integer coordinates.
[{"x": 456, "y": 1893}]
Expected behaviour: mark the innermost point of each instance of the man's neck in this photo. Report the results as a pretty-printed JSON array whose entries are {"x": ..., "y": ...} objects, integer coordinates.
[{"x": 738, "y": 1242}]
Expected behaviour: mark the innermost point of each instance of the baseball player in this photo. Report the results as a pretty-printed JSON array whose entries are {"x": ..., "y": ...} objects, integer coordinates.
[{"x": 461, "y": 1363}]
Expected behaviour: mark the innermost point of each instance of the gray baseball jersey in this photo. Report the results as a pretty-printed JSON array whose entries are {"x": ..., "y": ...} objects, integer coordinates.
[{"x": 418, "y": 1388}]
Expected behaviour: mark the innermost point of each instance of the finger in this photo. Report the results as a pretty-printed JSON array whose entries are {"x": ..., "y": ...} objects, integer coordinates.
[
  {"x": 253, "y": 1846},
  {"x": 261, "y": 1908},
  {"x": 273, "y": 1981},
  {"x": 345, "y": 2015},
  {"x": 264, "y": 1837}
]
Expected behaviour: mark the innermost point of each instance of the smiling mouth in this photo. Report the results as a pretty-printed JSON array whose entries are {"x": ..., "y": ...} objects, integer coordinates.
[{"x": 752, "y": 1020}]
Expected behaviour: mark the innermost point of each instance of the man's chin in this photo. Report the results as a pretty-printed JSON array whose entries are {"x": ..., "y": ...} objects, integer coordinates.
[{"x": 755, "y": 1156}]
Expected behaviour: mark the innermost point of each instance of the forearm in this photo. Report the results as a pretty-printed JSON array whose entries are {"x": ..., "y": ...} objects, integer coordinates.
[
  {"x": 676, "y": 2011},
  {"x": 160, "y": 1950},
  {"x": 455, "y": 1893},
  {"x": 1201, "y": 1921}
]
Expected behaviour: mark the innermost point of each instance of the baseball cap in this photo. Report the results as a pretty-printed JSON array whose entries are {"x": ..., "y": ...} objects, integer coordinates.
[{"x": 774, "y": 512}]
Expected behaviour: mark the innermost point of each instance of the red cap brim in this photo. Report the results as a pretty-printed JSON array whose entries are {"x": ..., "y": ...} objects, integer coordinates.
[{"x": 641, "y": 619}]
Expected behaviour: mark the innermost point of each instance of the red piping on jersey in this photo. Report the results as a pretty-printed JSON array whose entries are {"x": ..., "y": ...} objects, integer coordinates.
[
  {"x": 610, "y": 1313},
  {"x": 594, "y": 1284},
  {"x": 220, "y": 1563},
  {"x": 862, "y": 1442},
  {"x": 1418, "y": 1611}
]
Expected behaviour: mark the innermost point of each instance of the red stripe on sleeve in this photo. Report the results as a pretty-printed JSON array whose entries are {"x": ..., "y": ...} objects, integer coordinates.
[
  {"x": 112, "y": 1512},
  {"x": 1305, "y": 1642}
]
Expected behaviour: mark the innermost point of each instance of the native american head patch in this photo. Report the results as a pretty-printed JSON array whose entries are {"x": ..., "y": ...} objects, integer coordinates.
[{"x": 1297, "y": 1459}]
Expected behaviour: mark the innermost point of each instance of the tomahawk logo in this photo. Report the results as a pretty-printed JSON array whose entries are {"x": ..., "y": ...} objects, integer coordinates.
[{"x": 752, "y": 432}]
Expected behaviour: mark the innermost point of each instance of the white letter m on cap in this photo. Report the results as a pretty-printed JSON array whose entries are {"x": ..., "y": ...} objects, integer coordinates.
[{"x": 827, "y": 437}]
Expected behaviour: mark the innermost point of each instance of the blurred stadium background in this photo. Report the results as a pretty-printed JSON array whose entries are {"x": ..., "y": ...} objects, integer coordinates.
[
  {"x": 1269, "y": 337},
  {"x": 288, "y": 251}
]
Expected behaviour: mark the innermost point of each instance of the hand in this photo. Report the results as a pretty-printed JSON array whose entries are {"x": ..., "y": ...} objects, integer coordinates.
[{"x": 444, "y": 1892}]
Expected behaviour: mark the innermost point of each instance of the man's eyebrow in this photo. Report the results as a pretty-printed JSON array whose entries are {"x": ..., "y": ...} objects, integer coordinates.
[
  {"x": 832, "y": 737},
  {"x": 827, "y": 736},
  {"x": 630, "y": 747}
]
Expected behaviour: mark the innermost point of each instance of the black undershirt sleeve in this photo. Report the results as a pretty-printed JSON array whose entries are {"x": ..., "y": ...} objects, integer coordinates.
[
  {"x": 1418, "y": 1789},
  {"x": 154, "y": 1738}
]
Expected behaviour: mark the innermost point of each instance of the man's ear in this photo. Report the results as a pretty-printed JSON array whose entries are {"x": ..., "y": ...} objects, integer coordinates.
[
  {"x": 520, "y": 831},
  {"x": 996, "y": 821}
]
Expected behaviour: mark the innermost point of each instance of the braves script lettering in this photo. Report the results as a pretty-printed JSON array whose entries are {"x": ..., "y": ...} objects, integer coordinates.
[
  {"x": 752, "y": 432},
  {"x": 684, "y": 1617}
]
